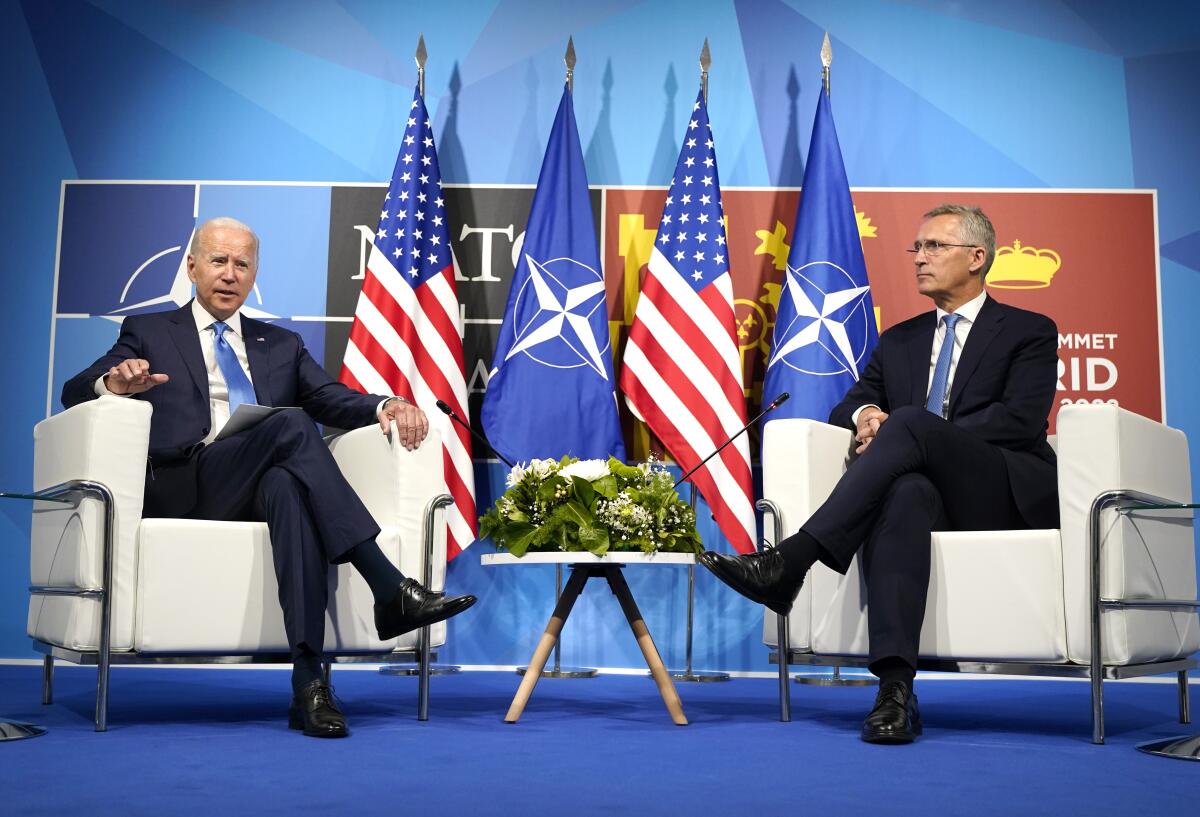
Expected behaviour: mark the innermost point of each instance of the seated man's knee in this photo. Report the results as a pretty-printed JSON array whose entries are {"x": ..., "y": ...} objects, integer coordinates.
[{"x": 291, "y": 422}]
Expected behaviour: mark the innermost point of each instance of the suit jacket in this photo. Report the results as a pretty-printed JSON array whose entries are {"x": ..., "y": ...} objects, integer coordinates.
[
  {"x": 283, "y": 372},
  {"x": 1002, "y": 392}
]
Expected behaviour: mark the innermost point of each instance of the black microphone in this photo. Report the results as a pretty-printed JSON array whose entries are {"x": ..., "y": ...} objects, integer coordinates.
[
  {"x": 774, "y": 404},
  {"x": 444, "y": 407}
]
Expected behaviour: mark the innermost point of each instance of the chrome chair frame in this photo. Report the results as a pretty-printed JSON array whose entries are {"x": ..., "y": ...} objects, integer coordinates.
[
  {"x": 1124, "y": 501},
  {"x": 73, "y": 492}
]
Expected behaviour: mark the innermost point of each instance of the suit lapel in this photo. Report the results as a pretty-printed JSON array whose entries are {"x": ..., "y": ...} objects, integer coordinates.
[
  {"x": 187, "y": 341},
  {"x": 258, "y": 356},
  {"x": 987, "y": 325},
  {"x": 920, "y": 347}
]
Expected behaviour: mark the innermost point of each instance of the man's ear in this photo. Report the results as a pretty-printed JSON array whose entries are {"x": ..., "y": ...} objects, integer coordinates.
[
  {"x": 191, "y": 268},
  {"x": 978, "y": 257}
]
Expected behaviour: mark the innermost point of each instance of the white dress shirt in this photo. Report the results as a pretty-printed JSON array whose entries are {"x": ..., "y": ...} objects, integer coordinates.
[{"x": 967, "y": 313}]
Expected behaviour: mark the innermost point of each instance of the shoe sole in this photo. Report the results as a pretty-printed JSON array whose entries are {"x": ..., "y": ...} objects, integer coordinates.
[
  {"x": 745, "y": 591},
  {"x": 470, "y": 602}
]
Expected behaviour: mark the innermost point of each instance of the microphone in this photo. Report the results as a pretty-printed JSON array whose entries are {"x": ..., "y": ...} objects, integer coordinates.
[
  {"x": 444, "y": 408},
  {"x": 774, "y": 404}
]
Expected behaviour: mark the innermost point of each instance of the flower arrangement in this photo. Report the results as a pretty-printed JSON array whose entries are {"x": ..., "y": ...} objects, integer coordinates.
[{"x": 590, "y": 505}]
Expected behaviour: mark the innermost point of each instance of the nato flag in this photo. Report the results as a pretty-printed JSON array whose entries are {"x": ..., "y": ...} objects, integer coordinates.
[
  {"x": 825, "y": 327},
  {"x": 551, "y": 390}
]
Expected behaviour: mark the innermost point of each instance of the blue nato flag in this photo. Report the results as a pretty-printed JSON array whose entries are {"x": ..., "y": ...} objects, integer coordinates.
[
  {"x": 551, "y": 390},
  {"x": 825, "y": 327}
]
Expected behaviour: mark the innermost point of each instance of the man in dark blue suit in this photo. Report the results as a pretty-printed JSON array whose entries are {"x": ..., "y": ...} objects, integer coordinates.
[
  {"x": 195, "y": 365},
  {"x": 950, "y": 419}
]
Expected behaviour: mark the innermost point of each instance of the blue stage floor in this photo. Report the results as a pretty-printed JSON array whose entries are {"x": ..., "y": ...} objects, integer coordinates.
[{"x": 215, "y": 742}]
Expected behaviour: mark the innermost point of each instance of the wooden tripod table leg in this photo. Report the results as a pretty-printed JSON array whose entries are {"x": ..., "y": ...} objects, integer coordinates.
[
  {"x": 533, "y": 672},
  {"x": 620, "y": 589}
]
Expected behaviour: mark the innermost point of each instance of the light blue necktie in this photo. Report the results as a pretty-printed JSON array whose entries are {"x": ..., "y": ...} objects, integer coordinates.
[
  {"x": 240, "y": 390},
  {"x": 941, "y": 372}
]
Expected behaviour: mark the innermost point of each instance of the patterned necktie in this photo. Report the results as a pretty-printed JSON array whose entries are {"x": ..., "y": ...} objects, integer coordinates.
[
  {"x": 941, "y": 372},
  {"x": 240, "y": 390}
]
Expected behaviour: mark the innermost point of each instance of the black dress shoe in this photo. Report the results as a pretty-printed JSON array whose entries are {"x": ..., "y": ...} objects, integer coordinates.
[
  {"x": 761, "y": 577},
  {"x": 413, "y": 607},
  {"x": 314, "y": 710},
  {"x": 895, "y": 718}
]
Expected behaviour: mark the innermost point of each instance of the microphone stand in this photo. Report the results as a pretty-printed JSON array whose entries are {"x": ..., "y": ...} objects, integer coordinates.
[{"x": 687, "y": 673}]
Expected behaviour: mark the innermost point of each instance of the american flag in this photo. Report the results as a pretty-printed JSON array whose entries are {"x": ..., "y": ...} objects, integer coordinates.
[
  {"x": 682, "y": 371},
  {"x": 406, "y": 338}
]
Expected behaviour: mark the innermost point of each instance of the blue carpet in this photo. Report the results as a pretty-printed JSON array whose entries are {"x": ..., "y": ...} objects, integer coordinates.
[{"x": 214, "y": 742}]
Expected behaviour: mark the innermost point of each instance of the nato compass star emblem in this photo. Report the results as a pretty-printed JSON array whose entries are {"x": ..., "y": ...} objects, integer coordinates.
[
  {"x": 554, "y": 311},
  {"x": 826, "y": 334}
]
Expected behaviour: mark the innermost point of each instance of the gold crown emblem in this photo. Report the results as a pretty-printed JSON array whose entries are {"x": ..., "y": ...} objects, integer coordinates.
[{"x": 1018, "y": 267}]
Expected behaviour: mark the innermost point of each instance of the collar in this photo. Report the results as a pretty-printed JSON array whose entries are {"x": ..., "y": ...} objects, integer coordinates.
[
  {"x": 969, "y": 311},
  {"x": 204, "y": 320}
]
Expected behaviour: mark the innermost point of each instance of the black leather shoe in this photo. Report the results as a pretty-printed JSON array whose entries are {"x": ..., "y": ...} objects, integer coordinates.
[
  {"x": 413, "y": 607},
  {"x": 895, "y": 718},
  {"x": 314, "y": 710},
  {"x": 760, "y": 577}
]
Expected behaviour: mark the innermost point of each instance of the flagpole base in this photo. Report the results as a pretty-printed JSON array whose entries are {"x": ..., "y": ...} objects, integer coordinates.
[
  {"x": 698, "y": 675},
  {"x": 564, "y": 672},
  {"x": 413, "y": 669}
]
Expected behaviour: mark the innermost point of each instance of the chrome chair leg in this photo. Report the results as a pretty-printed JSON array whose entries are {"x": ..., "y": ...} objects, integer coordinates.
[{"x": 47, "y": 679}]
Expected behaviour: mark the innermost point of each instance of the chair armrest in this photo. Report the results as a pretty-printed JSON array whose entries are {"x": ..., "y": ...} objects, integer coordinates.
[
  {"x": 802, "y": 461},
  {"x": 1103, "y": 448},
  {"x": 106, "y": 441},
  {"x": 396, "y": 485}
]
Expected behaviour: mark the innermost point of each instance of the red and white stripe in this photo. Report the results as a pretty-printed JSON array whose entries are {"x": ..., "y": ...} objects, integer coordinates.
[
  {"x": 682, "y": 376},
  {"x": 408, "y": 341}
]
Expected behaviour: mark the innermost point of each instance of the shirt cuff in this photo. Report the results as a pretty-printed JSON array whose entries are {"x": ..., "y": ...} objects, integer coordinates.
[
  {"x": 858, "y": 411},
  {"x": 384, "y": 402},
  {"x": 101, "y": 388}
]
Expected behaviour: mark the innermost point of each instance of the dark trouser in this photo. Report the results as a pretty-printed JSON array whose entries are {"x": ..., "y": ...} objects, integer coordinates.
[
  {"x": 281, "y": 472},
  {"x": 920, "y": 474}
]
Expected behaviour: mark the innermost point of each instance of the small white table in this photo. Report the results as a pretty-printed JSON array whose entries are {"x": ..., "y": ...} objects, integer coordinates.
[{"x": 583, "y": 567}]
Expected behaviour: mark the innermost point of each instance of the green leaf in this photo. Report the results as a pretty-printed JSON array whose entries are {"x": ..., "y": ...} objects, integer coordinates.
[
  {"x": 583, "y": 490},
  {"x": 606, "y": 486},
  {"x": 594, "y": 538}
]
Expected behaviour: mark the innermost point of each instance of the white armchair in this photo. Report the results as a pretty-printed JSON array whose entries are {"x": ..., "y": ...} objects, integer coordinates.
[
  {"x": 108, "y": 586},
  {"x": 1022, "y": 601}
]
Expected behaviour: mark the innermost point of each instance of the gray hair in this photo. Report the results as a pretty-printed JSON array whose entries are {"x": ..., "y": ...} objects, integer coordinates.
[
  {"x": 974, "y": 228},
  {"x": 228, "y": 223}
]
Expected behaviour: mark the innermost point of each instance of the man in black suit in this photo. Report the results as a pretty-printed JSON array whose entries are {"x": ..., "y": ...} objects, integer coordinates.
[
  {"x": 950, "y": 419},
  {"x": 195, "y": 365}
]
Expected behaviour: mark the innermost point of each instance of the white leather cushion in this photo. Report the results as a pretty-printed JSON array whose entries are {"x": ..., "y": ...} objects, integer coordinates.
[
  {"x": 209, "y": 587},
  {"x": 103, "y": 440},
  {"x": 994, "y": 595}
]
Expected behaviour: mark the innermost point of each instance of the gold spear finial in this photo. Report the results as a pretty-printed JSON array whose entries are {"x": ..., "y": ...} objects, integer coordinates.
[
  {"x": 569, "y": 59},
  {"x": 826, "y": 61},
  {"x": 420, "y": 57},
  {"x": 705, "y": 63}
]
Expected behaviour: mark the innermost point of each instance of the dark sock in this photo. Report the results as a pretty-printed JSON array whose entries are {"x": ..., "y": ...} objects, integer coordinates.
[
  {"x": 382, "y": 576},
  {"x": 799, "y": 553},
  {"x": 306, "y": 668},
  {"x": 894, "y": 668}
]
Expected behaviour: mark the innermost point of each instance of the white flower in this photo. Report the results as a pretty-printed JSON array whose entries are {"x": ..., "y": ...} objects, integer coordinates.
[
  {"x": 516, "y": 475},
  {"x": 543, "y": 468},
  {"x": 591, "y": 470}
]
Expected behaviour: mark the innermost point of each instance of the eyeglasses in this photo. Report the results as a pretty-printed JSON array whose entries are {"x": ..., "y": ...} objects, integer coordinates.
[{"x": 934, "y": 248}]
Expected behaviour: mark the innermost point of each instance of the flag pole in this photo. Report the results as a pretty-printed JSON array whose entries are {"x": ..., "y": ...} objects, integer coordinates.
[
  {"x": 558, "y": 670},
  {"x": 826, "y": 61},
  {"x": 569, "y": 61},
  {"x": 420, "y": 57},
  {"x": 687, "y": 673}
]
